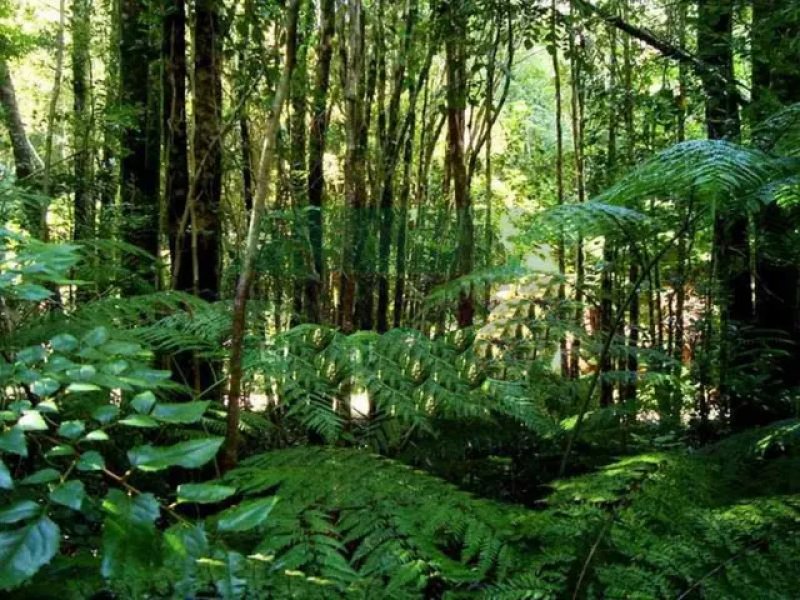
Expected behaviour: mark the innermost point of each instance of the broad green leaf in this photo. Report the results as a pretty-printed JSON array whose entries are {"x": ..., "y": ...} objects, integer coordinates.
[
  {"x": 130, "y": 541},
  {"x": 143, "y": 403},
  {"x": 71, "y": 429},
  {"x": 82, "y": 373},
  {"x": 70, "y": 494},
  {"x": 31, "y": 420},
  {"x": 98, "y": 435},
  {"x": 60, "y": 450},
  {"x": 6, "y": 482},
  {"x": 41, "y": 476},
  {"x": 142, "y": 421},
  {"x": 25, "y": 509},
  {"x": 191, "y": 454},
  {"x": 121, "y": 348},
  {"x": 185, "y": 412},
  {"x": 96, "y": 337},
  {"x": 64, "y": 343},
  {"x": 204, "y": 493},
  {"x": 78, "y": 388},
  {"x": 31, "y": 354},
  {"x": 45, "y": 386},
  {"x": 24, "y": 551},
  {"x": 246, "y": 515},
  {"x": 13, "y": 442},
  {"x": 91, "y": 461},
  {"x": 105, "y": 414},
  {"x": 47, "y": 407}
]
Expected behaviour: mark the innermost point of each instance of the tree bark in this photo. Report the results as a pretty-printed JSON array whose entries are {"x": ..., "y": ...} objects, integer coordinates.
[
  {"x": 245, "y": 282},
  {"x": 455, "y": 22},
  {"x": 776, "y": 84},
  {"x": 316, "y": 153},
  {"x": 83, "y": 202},
  {"x": 26, "y": 160},
  {"x": 206, "y": 223},
  {"x": 176, "y": 185},
  {"x": 139, "y": 167},
  {"x": 731, "y": 237}
]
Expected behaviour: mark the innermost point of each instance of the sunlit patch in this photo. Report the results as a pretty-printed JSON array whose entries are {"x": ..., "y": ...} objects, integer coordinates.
[{"x": 359, "y": 404}]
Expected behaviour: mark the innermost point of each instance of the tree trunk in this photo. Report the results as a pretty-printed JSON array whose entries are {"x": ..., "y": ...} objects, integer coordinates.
[
  {"x": 26, "y": 160},
  {"x": 205, "y": 205},
  {"x": 316, "y": 153},
  {"x": 731, "y": 240},
  {"x": 139, "y": 168},
  {"x": 302, "y": 261},
  {"x": 83, "y": 203},
  {"x": 455, "y": 21},
  {"x": 244, "y": 284},
  {"x": 355, "y": 162},
  {"x": 176, "y": 185},
  {"x": 776, "y": 83}
]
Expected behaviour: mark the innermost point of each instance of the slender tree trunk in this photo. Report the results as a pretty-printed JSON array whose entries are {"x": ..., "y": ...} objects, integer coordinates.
[
  {"x": 455, "y": 21},
  {"x": 176, "y": 185},
  {"x": 391, "y": 157},
  {"x": 245, "y": 282},
  {"x": 26, "y": 160},
  {"x": 83, "y": 203},
  {"x": 298, "y": 173},
  {"x": 316, "y": 152},
  {"x": 578, "y": 126},
  {"x": 560, "y": 250},
  {"x": 355, "y": 163},
  {"x": 52, "y": 113}
]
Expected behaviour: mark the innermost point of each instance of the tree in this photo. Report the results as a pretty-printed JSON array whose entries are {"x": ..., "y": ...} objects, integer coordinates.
[
  {"x": 205, "y": 203},
  {"x": 139, "y": 96},
  {"x": 316, "y": 155},
  {"x": 454, "y": 22}
]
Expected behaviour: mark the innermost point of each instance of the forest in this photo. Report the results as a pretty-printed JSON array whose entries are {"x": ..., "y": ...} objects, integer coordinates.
[{"x": 399, "y": 299}]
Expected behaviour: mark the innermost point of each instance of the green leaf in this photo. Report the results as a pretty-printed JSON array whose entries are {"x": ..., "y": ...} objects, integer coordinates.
[
  {"x": 105, "y": 414},
  {"x": 60, "y": 450},
  {"x": 64, "y": 343},
  {"x": 141, "y": 421},
  {"x": 186, "y": 412},
  {"x": 20, "y": 511},
  {"x": 32, "y": 420},
  {"x": 69, "y": 494},
  {"x": 13, "y": 441},
  {"x": 31, "y": 354},
  {"x": 6, "y": 482},
  {"x": 122, "y": 348},
  {"x": 45, "y": 386},
  {"x": 98, "y": 435},
  {"x": 143, "y": 403},
  {"x": 246, "y": 515},
  {"x": 91, "y": 461},
  {"x": 130, "y": 541},
  {"x": 24, "y": 551},
  {"x": 96, "y": 337},
  {"x": 78, "y": 388},
  {"x": 204, "y": 493},
  {"x": 41, "y": 476},
  {"x": 191, "y": 454},
  {"x": 71, "y": 429},
  {"x": 47, "y": 407}
]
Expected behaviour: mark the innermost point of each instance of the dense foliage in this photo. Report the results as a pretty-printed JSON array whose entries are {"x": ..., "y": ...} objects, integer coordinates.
[{"x": 374, "y": 299}]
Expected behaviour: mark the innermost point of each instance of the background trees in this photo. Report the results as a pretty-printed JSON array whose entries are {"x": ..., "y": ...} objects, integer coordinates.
[{"x": 505, "y": 242}]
